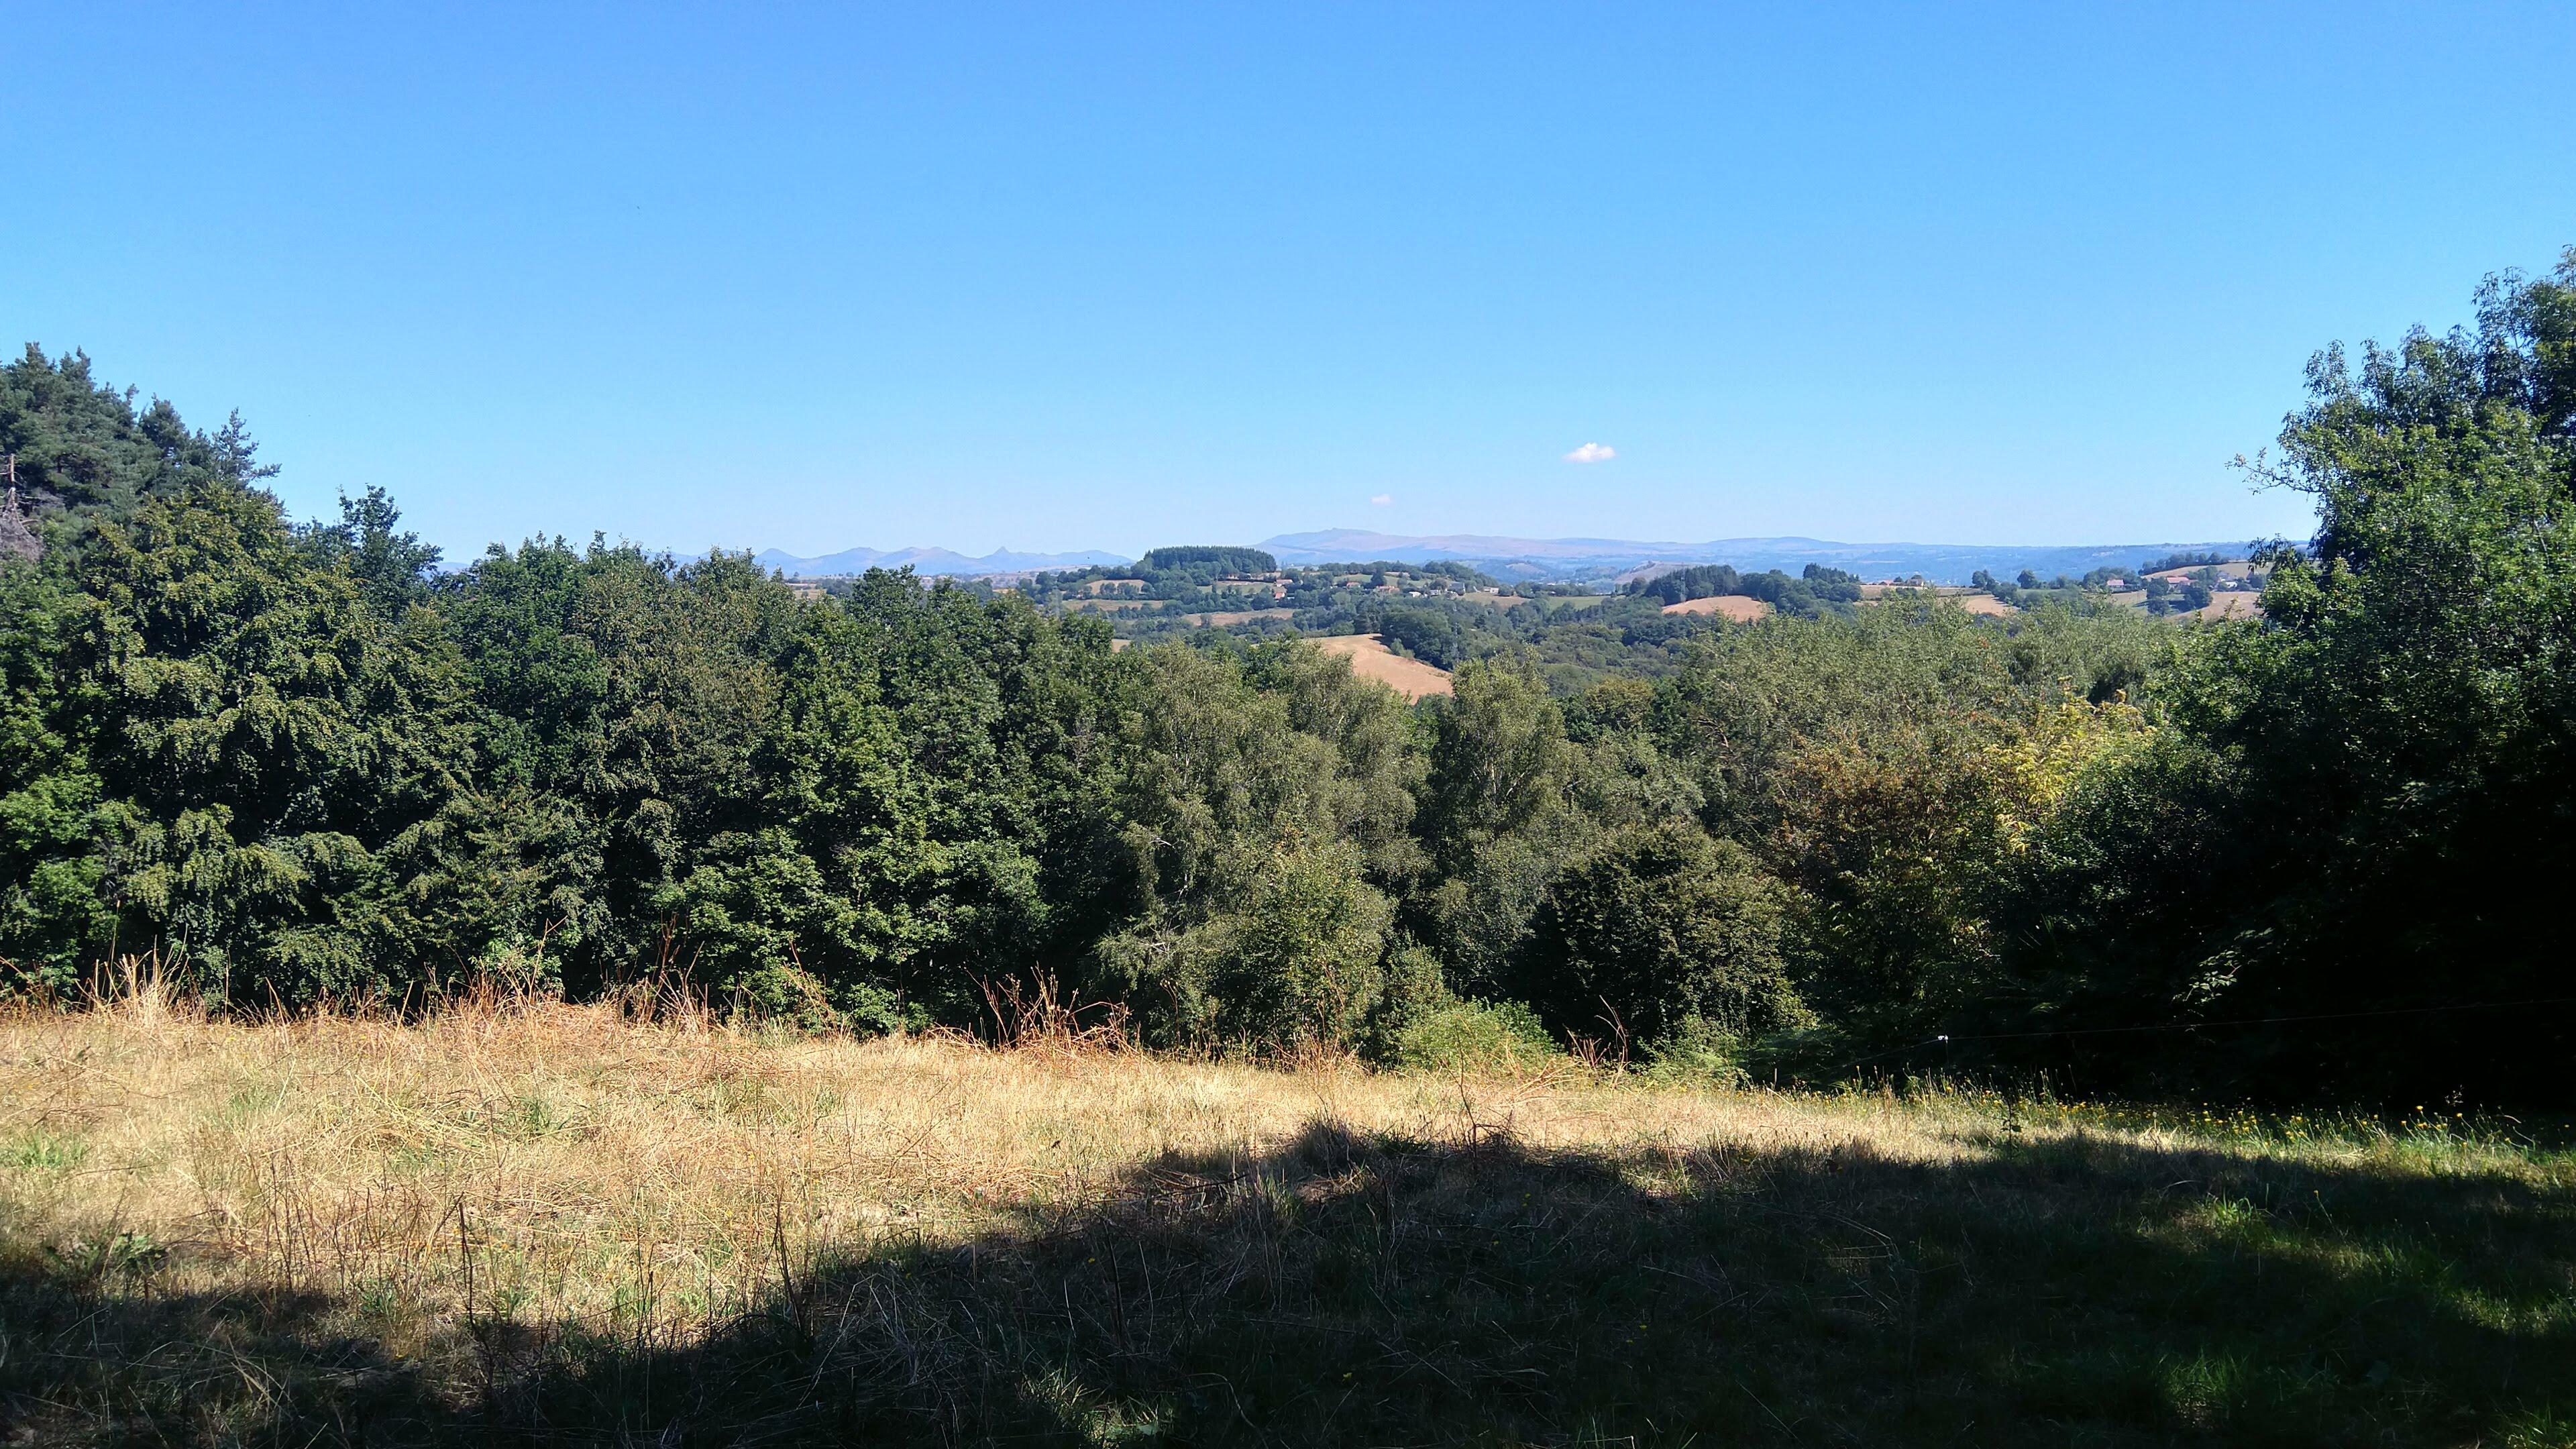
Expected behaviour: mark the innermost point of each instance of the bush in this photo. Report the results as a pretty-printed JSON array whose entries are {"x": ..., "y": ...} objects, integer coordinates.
[
  {"x": 1657, "y": 926},
  {"x": 782, "y": 995},
  {"x": 1697, "y": 1050},
  {"x": 1415, "y": 989},
  {"x": 1459, "y": 1035},
  {"x": 1303, "y": 962},
  {"x": 1293, "y": 958},
  {"x": 516, "y": 966}
]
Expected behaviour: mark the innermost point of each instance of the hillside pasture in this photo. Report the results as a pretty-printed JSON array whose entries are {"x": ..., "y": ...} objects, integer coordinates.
[
  {"x": 2227, "y": 606},
  {"x": 1724, "y": 606},
  {"x": 1229, "y": 618},
  {"x": 526, "y": 1222},
  {"x": 2237, "y": 570},
  {"x": 1553, "y": 604},
  {"x": 1549, "y": 604},
  {"x": 1975, "y": 601},
  {"x": 1371, "y": 659}
]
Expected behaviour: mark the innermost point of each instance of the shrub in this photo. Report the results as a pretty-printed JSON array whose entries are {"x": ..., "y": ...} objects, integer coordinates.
[
  {"x": 516, "y": 966},
  {"x": 1459, "y": 1035},
  {"x": 1657, "y": 926},
  {"x": 1413, "y": 989},
  {"x": 1697, "y": 1050},
  {"x": 785, "y": 996},
  {"x": 1293, "y": 958}
]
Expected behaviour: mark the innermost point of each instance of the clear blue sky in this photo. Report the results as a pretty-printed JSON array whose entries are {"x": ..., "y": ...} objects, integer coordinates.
[{"x": 1070, "y": 276}]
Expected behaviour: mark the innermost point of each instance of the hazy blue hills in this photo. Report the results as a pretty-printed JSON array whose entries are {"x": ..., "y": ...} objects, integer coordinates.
[
  {"x": 1938, "y": 562},
  {"x": 1948, "y": 563},
  {"x": 928, "y": 561}
]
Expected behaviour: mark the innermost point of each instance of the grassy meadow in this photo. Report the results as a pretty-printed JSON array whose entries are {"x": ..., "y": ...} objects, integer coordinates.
[{"x": 550, "y": 1224}]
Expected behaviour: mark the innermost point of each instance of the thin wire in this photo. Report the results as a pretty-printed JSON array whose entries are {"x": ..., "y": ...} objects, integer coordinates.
[{"x": 2207, "y": 1025}]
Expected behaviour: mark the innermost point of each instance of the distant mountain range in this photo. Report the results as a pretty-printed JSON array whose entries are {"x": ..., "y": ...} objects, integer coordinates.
[
  {"x": 1941, "y": 563},
  {"x": 928, "y": 561}
]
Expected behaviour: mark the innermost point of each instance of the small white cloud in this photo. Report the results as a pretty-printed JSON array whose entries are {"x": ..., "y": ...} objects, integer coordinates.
[
  {"x": 1382, "y": 499},
  {"x": 1592, "y": 453}
]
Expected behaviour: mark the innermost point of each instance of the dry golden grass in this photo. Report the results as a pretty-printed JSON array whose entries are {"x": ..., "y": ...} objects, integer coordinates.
[
  {"x": 1228, "y": 618},
  {"x": 601, "y": 1169},
  {"x": 1371, "y": 659},
  {"x": 1728, "y": 606},
  {"x": 2240, "y": 569},
  {"x": 523, "y": 1216},
  {"x": 1975, "y": 601},
  {"x": 2229, "y": 606}
]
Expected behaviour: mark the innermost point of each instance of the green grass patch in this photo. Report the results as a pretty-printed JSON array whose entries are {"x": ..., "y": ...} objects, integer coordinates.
[{"x": 40, "y": 1151}]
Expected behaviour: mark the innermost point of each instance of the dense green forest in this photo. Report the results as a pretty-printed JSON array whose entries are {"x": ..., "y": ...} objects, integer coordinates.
[{"x": 2307, "y": 855}]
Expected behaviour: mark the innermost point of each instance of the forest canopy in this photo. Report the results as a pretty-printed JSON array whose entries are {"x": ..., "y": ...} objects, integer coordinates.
[{"x": 2305, "y": 854}]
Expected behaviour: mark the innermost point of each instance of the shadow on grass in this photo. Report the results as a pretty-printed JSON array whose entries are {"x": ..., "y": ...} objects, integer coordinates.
[{"x": 1386, "y": 1291}]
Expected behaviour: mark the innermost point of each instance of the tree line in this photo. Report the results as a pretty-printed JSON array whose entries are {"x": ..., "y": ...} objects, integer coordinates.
[
  {"x": 2309, "y": 855},
  {"x": 1818, "y": 589}
]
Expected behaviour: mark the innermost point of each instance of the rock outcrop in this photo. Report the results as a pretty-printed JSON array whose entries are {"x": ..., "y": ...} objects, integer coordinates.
[{"x": 17, "y": 538}]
